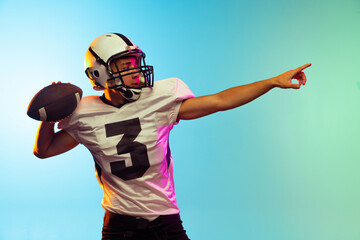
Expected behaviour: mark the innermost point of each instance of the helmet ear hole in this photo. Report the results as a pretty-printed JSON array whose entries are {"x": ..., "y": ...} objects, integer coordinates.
[{"x": 96, "y": 73}]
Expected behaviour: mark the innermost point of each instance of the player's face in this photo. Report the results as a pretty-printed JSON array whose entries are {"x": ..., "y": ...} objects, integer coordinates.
[{"x": 129, "y": 75}]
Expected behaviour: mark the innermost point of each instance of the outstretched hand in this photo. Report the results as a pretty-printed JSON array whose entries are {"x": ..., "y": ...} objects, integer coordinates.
[{"x": 284, "y": 80}]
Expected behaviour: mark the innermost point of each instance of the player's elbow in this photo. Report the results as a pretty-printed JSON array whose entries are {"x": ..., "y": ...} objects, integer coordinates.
[{"x": 39, "y": 154}]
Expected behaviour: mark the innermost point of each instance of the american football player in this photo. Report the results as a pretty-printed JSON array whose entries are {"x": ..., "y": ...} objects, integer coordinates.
[{"x": 127, "y": 132}]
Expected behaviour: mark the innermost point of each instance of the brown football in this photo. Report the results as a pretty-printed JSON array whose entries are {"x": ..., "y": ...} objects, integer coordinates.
[{"x": 54, "y": 102}]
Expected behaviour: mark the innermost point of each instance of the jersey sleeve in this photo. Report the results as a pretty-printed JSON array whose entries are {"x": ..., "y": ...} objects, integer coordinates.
[
  {"x": 163, "y": 101},
  {"x": 73, "y": 124},
  {"x": 181, "y": 92},
  {"x": 70, "y": 126}
]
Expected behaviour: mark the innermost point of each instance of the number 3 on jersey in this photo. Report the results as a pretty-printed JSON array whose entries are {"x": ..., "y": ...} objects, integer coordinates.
[{"x": 138, "y": 151}]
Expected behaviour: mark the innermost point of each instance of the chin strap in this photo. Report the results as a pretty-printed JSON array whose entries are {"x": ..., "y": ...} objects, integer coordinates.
[{"x": 130, "y": 94}]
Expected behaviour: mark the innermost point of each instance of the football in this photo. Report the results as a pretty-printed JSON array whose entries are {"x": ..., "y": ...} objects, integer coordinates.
[{"x": 54, "y": 102}]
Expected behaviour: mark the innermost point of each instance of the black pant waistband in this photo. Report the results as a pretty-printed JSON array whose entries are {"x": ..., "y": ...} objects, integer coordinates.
[{"x": 131, "y": 222}]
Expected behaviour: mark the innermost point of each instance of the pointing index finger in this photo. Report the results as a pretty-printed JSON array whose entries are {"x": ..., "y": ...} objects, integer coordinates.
[{"x": 299, "y": 69}]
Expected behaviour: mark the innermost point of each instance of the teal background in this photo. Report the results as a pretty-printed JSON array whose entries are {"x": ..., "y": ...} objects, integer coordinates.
[{"x": 285, "y": 166}]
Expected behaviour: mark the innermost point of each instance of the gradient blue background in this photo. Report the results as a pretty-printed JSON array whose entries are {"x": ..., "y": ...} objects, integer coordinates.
[{"x": 285, "y": 166}]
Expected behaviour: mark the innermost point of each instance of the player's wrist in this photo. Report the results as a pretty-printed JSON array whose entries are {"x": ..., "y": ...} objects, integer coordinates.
[
  {"x": 273, "y": 82},
  {"x": 45, "y": 124}
]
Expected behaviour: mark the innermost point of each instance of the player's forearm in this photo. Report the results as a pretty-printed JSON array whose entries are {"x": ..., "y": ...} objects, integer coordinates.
[
  {"x": 228, "y": 99},
  {"x": 43, "y": 139},
  {"x": 237, "y": 96}
]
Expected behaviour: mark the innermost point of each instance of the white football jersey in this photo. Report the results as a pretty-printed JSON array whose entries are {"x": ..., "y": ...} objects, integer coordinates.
[{"x": 130, "y": 146}]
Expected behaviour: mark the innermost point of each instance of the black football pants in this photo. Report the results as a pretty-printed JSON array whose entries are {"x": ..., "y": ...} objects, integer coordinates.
[{"x": 121, "y": 227}]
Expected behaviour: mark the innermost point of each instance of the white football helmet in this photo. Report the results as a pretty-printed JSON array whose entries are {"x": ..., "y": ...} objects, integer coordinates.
[{"x": 103, "y": 51}]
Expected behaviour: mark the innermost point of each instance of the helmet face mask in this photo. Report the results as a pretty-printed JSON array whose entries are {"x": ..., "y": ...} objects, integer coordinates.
[
  {"x": 143, "y": 72},
  {"x": 103, "y": 72}
]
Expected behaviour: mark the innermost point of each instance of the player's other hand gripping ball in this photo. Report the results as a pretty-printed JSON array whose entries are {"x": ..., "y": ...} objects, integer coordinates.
[{"x": 54, "y": 102}]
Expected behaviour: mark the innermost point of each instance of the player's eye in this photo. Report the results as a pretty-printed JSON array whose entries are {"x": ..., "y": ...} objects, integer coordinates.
[{"x": 126, "y": 66}]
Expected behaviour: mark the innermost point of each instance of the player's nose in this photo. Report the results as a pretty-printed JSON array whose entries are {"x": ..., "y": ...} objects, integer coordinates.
[{"x": 135, "y": 75}]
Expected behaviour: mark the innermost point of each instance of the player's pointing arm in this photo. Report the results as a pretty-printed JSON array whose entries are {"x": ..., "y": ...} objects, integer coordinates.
[{"x": 234, "y": 97}]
